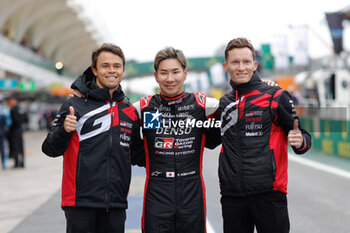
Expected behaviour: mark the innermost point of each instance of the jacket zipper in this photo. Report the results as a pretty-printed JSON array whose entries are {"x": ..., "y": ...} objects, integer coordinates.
[
  {"x": 108, "y": 159},
  {"x": 78, "y": 175},
  {"x": 239, "y": 145}
]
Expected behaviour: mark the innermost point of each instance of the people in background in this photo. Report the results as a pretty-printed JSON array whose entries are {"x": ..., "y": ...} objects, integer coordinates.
[{"x": 15, "y": 133}]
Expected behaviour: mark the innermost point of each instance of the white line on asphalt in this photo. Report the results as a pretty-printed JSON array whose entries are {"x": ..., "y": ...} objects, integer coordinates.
[
  {"x": 209, "y": 228},
  {"x": 319, "y": 166}
]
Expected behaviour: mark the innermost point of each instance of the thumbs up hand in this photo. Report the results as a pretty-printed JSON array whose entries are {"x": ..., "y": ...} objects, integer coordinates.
[
  {"x": 295, "y": 138},
  {"x": 70, "y": 122}
]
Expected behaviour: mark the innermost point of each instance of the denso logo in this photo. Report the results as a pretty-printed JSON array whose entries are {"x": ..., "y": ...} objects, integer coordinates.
[
  {"x": 164, "y": 143},
  {"x": 254, "y": 119}
]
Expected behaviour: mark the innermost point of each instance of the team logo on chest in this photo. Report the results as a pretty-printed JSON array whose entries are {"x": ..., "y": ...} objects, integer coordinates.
[
  {"x": 94, "y": 123},
  {"x": 229, "y": 116},
  {"x": 164, "y": 143}
]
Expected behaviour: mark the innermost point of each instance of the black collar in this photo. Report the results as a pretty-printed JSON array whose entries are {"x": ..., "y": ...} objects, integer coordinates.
[{"x": 247, "y": 87}]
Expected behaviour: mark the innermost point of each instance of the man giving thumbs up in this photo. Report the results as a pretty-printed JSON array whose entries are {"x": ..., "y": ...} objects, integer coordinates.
[
  {"x": 71, "y": 121},
  {"x": 99, "y": 136},
  {"x": 258, "y": 123},
  {"x": 295, "y": 138}
]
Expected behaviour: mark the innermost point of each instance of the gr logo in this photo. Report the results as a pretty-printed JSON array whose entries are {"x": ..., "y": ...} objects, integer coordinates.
[
  {"x": 164, "y": 143},
  {"x": 151, "y": 120}
]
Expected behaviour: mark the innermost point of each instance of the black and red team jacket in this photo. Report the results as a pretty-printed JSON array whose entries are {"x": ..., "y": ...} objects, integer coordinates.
[
  {"x": 256, "y": 120},
  {"x": 97, "y": 156}
]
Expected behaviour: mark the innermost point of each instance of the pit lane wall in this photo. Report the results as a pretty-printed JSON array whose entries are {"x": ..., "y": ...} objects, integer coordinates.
[{"x": 328, "y": 135}]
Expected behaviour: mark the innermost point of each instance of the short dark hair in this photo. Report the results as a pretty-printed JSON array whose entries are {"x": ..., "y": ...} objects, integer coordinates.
[
  {"x": 13, "y": 95},
  {"x": 167, "y": 53},
  {"x": 107, "y": 47},
  {"x": 239, "y": 43}
]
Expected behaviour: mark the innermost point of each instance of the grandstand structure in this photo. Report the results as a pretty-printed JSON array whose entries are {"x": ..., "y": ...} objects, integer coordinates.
[
  {"x": 44, "y": 42},
  {"x": 39, "y": 37}
]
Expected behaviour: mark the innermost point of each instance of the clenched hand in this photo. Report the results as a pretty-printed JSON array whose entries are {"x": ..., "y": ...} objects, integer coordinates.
[
  {"x": 295, "y": 138},
  {"x": 70, "y": 122}
]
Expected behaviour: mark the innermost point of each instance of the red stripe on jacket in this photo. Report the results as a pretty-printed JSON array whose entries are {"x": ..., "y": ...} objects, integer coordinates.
[
  {"x": 279, "y": 145},
  {"x": 70, "y": 160}
]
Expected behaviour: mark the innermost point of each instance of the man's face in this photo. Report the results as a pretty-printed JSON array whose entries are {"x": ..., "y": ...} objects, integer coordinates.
[
  {"x": 109, "y": 71},
  {"x": 11, "y": 102},
  {"x": 240, "y": 65},
  {"x": 171, "y": 77}
]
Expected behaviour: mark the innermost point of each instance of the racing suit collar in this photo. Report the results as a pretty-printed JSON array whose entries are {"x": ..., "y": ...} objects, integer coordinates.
[
  {"x": 172, "y": 100},
  {"x": 246, "y": 87}
]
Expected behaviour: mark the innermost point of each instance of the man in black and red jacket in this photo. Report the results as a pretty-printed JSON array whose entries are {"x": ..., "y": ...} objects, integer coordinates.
[
  {"x": 99, "y": 138},
  {"x": 258, "y": 122}
]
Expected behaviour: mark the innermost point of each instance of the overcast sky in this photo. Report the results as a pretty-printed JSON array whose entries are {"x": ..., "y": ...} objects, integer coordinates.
[{"x": 200, "y": 27}]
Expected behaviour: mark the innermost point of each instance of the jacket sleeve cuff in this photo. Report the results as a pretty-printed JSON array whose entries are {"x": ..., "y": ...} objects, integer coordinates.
[
  {"x": 303, "y": 146},
  {"x": 62, "y": 132}
]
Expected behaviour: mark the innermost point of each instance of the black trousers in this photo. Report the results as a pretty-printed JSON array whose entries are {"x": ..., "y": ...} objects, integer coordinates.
[
  {"x": 94, "y": 220},
  {"x": 171, "y": 209},
  {"x": 267, "y": 212},
  {"x": 2, "y": 152},
  {"x": 15, "y": 139}
]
